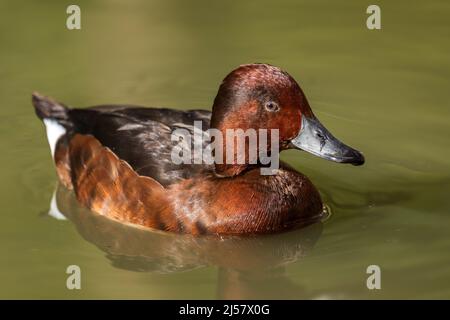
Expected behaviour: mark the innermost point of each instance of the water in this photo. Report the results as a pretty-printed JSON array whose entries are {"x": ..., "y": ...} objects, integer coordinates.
[{"x": 383, "y": 92}]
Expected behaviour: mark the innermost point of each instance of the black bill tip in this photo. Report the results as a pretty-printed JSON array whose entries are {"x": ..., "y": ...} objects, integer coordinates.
[
  {"x": 316, "y": 139},
  {"x": 355, "y": 158}
]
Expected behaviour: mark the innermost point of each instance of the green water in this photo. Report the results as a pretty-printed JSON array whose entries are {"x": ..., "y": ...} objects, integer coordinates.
[{"x": 383, "y": 92}]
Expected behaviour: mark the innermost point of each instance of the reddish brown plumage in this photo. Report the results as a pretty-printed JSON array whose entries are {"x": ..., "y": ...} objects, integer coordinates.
[
  {"x": 204, "y": 205},
  {"x": 109, "y": 186},
  {"x": 247, "y": 203},
  {"x": 62, "y": 163}
]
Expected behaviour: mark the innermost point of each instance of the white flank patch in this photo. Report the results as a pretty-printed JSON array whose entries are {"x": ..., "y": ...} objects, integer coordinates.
[
  {"x": 54, "y": 210},
  {"x": 54, "y": 132}
]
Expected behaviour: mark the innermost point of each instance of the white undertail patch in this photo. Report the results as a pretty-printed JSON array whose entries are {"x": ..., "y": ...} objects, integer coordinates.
[
  {"x": 54, "y": 132},
  {"x": 54, "y": 210}
]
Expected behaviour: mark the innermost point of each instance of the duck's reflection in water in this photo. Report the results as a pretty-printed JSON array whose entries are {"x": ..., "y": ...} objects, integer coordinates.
[{"x": 249, "y": 267}]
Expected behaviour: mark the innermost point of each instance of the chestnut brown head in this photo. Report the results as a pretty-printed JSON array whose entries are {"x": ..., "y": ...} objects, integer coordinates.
[{"x": 261, "y": 96}]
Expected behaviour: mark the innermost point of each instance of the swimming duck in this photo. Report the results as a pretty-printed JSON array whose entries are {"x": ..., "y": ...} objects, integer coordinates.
[{"x": 118, "y": 159}]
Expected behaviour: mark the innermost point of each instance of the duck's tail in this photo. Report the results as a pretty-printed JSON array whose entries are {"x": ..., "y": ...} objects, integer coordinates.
[
  {"x": 47, "y": 108},
  {"x": 55, "y": 116}
]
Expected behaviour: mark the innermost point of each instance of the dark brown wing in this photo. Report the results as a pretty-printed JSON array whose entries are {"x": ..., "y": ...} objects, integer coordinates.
[{"x": 141, "y": 137}]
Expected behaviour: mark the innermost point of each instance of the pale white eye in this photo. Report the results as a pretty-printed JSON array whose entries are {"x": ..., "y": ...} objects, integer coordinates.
[{"x": 271, "y": 106}]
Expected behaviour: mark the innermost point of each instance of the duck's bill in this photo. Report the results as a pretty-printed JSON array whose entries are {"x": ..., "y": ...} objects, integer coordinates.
[{"x": 316, "y": 139}]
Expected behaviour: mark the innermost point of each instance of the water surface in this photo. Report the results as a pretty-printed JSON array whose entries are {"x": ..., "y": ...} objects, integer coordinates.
[{"x": 383, "y": 92}]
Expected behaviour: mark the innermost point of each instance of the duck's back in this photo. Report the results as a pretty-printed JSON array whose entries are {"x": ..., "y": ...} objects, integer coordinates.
[{"x": 140, "y": 136}]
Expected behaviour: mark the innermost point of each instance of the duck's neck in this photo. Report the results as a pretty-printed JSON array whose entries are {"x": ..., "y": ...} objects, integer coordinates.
[
  {"x": 231, "y": 170},
  {"x": 241, "y": 151}
]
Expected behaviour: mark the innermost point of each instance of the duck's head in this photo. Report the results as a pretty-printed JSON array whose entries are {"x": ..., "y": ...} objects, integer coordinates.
[{"x": 261, "y": 96}]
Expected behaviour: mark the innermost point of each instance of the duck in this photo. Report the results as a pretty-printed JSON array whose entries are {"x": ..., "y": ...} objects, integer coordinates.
[{"x": 118, "y": 159}]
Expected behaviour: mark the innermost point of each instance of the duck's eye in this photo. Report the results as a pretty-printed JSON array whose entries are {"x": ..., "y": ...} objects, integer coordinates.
[{"x": 271, "y": 106}]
